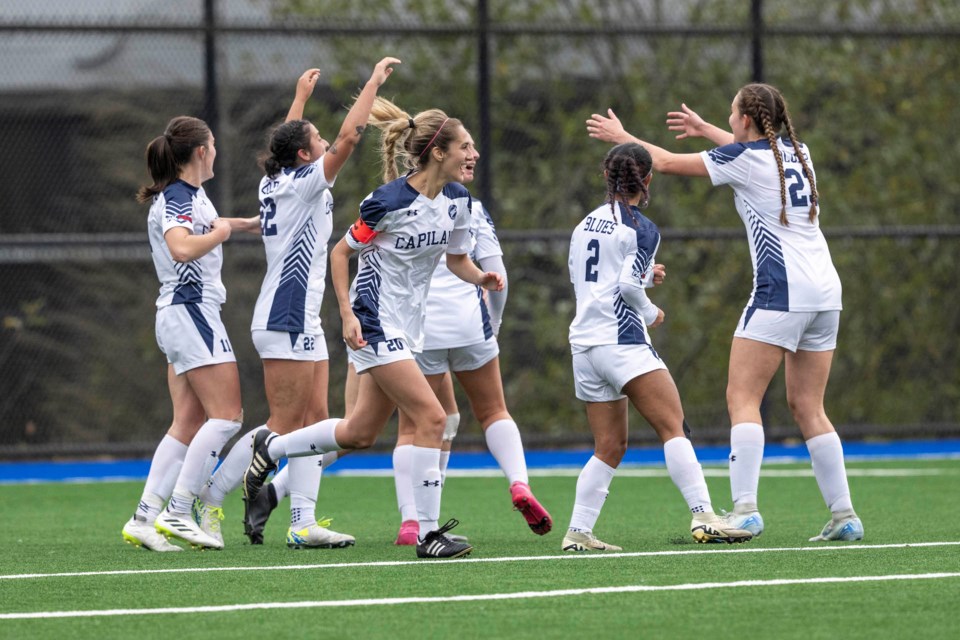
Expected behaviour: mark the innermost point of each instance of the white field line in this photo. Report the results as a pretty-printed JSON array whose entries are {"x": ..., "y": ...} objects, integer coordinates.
[
  {"x": 484, "y": 597},
  {"x": 435, "y": 563}
]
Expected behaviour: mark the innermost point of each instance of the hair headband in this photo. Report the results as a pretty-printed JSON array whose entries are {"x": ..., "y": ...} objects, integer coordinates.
[{"x": 429, "y": 144}]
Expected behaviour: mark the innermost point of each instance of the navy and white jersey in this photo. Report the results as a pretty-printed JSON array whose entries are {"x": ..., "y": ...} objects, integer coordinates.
[
  {"x": 183, "y": 205},
  {"x": 401, "y": 236},
  {"x": 296, "y": 220},
  {"x": 792, "y": 269},
  {"x": 457, "y": 315},
  {"x": 606, "y": 249}
]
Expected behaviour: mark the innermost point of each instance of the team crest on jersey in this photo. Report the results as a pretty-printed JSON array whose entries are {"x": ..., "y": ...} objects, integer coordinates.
[{"x": 452, "y": 211}]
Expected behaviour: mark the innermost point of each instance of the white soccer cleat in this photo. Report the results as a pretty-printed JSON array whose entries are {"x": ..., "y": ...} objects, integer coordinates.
[
  {"x": 183, "y": 526},
  {"x": 317, "y": 537},
  {"x": 141, "y": 533},
  {"x": 709, "y": 527},
  {"x": 209, "y": 520},
  {"x": 846, "y": 529},
  {"x": 752, "y": 522},
  {"x": 584, "y": 541}
]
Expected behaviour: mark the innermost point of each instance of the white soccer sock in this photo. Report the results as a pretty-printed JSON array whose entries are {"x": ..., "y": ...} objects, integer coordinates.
[
  {"x": 312, "y": 440},
  {"x": 229, "y": 474},
  {"x": 200, "y": 461},
  {"x": 826, "y": 453},
  {"x": 402, "y": 464},
  {"x": 164, "y": 469},
  {"x": 304, "y": 483},
  {"x": 444, "y": 461},
  {"x": 427, "y": 487},
  {"x": 687, "y": 474},
  {"x": 280, "y": 484},
  {"x": 746, "y": 454},
  {"x": 503, "y": 440},
  {"x": 592, "y": 488}
]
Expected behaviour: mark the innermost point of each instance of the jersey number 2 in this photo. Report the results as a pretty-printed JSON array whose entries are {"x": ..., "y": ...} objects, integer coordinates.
[
  {"x": 797, "y": 185},
  {"x": 593, "y": 260},
  {"x": 268, "y": 209}
]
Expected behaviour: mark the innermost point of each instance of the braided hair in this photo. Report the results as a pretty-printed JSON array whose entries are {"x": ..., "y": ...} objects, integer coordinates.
[
  {"x": 626, "y": 167},
  {"x": 767, "y": 108}
]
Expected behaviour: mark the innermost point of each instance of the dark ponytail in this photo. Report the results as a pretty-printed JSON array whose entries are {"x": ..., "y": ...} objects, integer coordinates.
[
  {"x": 285, "y": 142},
  {"x": 168, "y": 153},
  {"x": 627, "y": 167}
]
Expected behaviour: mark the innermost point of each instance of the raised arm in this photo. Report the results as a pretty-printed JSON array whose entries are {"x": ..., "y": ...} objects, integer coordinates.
[
  {"x": 609, "y": 129},
  {"x": 305, "y": 86},
  {"x": 340, "y": 276},
  {"x": 356, "y": 120},
  {"x": 691, "y": 125}
]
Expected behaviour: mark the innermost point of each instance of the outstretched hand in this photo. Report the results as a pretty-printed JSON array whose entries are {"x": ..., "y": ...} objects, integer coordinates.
[
  {"x": 307, "y": 83},
  {"x": 687, "y": 122},
  {"x": 607, "y": 128},
  {"x": 383, "y": 70}
]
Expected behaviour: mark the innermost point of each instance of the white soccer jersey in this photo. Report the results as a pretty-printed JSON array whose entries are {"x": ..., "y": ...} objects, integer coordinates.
[
  {"x": 183, "y": 205},
  {"x": 792, "y": 269},
  {"x": 401, "y": 235},
  {"x": 604, "y": 249},
  {"x": 296, "y": 221},
  {"x": 457, "y": 315}
]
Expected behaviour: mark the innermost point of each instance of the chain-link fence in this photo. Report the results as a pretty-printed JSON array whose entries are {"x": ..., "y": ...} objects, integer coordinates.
[{"x": 873, "y": 87}]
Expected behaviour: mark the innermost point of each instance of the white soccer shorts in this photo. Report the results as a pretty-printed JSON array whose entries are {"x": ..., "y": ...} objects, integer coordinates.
[
  {"x": 601, "y": 372},
  {"x": 792, "y": 330},
  {"x": 192, "y": 335},
  {"x": 283, "y": 345},
  {"x": 379, "y": 353},
  {"x": 470, "y": 358}
]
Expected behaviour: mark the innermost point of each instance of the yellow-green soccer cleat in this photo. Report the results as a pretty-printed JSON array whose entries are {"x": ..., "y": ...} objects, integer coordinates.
[
  {"x": 586, "y": 541},
  {"x": 318, "y": 537},
  {"x": 183, "y": 526},
  {"x": 209, "y": 519},
  {"x": 141, "y": 533}
]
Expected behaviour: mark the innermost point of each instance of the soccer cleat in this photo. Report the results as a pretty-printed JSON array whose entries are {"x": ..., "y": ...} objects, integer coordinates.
[
  {"x": 437, "y": 545},
  {"x": 533, "y": 512},
  {"x": 847, "y": 529},
  {"x": 752, "y": 522},
  {"x": 183, "y": 526},
  {"x": 257, "y": 512},
  {"x": 318, "y": 537},
  {"x": 709, "y": 527},
  {"x": 585, "y": 541},
  {"x": 261, "y": 464},
  {"x": 141, "y": 533},
  {"x": 409, "y": 530},
  {"x": 209, "y": 520}
]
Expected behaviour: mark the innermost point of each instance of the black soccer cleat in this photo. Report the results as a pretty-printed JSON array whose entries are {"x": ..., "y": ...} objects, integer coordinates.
[
  {"x": 257, "y": 512},
  {"x": 261, "y": 465},
  {"x": 437, "y": 545}
]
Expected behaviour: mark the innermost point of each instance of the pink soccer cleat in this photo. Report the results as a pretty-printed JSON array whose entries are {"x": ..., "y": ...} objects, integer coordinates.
[
  {"x": 533, "y": 512},
  {"x": 409, "y": 530}
]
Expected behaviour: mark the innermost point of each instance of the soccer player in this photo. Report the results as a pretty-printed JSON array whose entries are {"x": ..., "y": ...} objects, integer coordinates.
[
  {"x": 185, "y": 237},
  {"x": 611, "y": 261},
  {"x": 793, "y": 314},
  {"x": 403, "y": 229},
  {"x": 460, "y": 336},
  {"x": 296, "y": 220}
]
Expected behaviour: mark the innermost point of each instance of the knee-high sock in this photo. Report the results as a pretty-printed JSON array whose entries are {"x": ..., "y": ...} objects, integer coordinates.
[
  {"x": 503, "y": 440},
  {"x": 229, "y": 474},
  {"x": 200, "y": 461},
  {"x": 593, "y": 485},
  {"x": 304, "y": 483},
  {"x": 427, "y": 487},
  {"x": 746, "y": 454},
  {"x": 402, "y": 479},
  {"x": 826, "y": 452},
  {"x": 164, "y": 469},
  {"x": 312, "y": 440},
  {"x": 687, "y": 474}
]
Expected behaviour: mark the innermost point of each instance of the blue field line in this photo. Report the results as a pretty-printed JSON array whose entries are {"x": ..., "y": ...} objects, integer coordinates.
[{"x": 123, "y": 470}]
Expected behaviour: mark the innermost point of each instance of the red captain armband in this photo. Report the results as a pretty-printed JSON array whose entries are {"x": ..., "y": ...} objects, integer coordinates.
[{"x": 361, "y": 232}]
